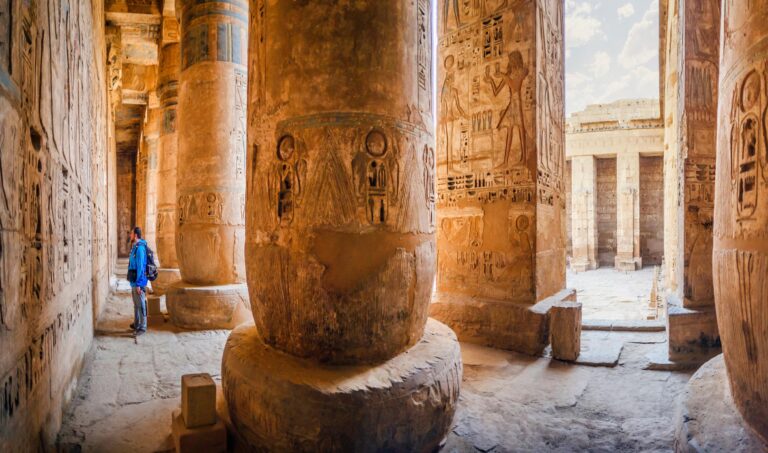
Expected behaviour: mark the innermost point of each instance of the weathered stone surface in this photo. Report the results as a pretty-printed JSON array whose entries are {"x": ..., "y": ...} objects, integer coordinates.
[
  {"x": 565, "y": 330},
  {"x": 54, "y": 245},
  {"x": 204, "y": 439},
  {"x": 517, "y": 327},
  {"x": 279, "y": 402},
  {"x": 210, "y": 189},
  {"x": 340, "y": 245},
  {"x": 198, "y": 400},
  {"x": 208, "y": 307},
  {"x": 500, "y": 160},
  {"x": 706, "y": 417},
  {"x": 741, "y": 209},
  {"x": 691, "y": 92}
]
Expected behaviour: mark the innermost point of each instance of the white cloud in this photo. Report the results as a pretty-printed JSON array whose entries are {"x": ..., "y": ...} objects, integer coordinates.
[
  {"x": 640, "y": 48},
  {"x": 626, "y": 11},
  {"x": 601, "y": 64},
  {"x": 581, "y": 26},
  {"x": 640, "y": 82}
]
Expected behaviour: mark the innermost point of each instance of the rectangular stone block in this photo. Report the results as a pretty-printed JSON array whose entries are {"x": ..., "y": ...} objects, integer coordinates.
[
  {"x": 155, "y": 305},
  {"x": 206, "y": 439},
  {"x": 155, "y": 320},
  {"x": 198, "y": 400},
  {"x": 565, "y": 330}
]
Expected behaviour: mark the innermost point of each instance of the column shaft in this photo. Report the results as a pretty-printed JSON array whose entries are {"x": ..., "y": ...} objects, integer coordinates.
[
  {"x": 628, "y": 212},
  {"x": 583, "y": 212},
  {"x": 741, "y": 209}
]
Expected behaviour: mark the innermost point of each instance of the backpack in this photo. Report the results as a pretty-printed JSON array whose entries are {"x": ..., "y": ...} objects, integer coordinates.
[{"x": 151, "y": 268}]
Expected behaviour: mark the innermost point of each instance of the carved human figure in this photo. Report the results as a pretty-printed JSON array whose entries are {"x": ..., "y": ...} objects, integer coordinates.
[
  {"x": 511, "y": 117},
  {"x": 450, "y": 109},
  {"x": 453, "y": 7},
  {"x": 429, "y": 182},
  {"x": 289, "y": 176},
  {"x": 377, "y": 176}
]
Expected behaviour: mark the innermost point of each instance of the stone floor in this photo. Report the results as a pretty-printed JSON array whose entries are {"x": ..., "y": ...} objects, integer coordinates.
[
  {"x": 608, "y": 294},
  {"x": 509, "y": 402}
]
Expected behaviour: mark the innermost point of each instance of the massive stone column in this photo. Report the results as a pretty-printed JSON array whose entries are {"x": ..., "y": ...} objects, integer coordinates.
[
  {"x": 167, "y": 89},
  {"x": 691, "y": 113},
  {"x": 151, "y": 133},
  {"x": 340, "y": 245},
  {"x": 500, "y": 162},
  {"x": 741, "y": 208},
  {"x": 210, "y": 189},
  {"x": 628, "y": 212},
  {"x": 583, "y": 212}
]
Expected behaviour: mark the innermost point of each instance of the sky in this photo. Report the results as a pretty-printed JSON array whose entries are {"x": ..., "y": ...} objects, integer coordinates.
[{"x": 611, "y": 51}]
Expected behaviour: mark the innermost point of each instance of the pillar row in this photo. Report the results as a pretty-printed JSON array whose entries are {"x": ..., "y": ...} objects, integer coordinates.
[{"x": 583, "y": 213}]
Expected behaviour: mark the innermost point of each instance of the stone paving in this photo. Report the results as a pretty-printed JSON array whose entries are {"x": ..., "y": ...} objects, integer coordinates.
[
  {"x": 608, "y": 294},
  {"x": 509, "y": 401}
]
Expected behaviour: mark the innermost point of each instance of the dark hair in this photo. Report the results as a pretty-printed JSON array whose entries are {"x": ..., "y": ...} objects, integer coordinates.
[{"x": 137, "y": 232}]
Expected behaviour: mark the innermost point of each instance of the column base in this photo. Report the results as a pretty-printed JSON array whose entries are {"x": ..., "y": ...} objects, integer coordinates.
[
  {"x": 628, "y": 265},
  {"x": 693, "y": 334},
  {"x": 166, "y": 277},
  {"x": 498, "y": 324},
  {"x": 707, "y": 418},
  {"x": 583, "y": 265},
  {"x": 278, "y": 402},
  {"x": 208, "y": 307}
]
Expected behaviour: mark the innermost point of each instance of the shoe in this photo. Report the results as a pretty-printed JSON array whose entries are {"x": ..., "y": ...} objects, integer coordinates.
[
  {"x": 133, "y": 326},
  {"x": 137, "y": 333}
]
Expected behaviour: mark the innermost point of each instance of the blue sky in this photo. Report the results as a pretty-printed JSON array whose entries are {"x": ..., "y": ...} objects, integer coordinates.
[{"x": 611, "y": 51}]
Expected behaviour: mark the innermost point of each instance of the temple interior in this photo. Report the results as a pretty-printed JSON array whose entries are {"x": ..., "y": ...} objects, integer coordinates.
[{"x": 374, "y": 228}]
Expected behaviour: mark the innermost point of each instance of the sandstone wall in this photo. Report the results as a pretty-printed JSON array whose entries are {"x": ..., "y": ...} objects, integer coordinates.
[
  {"x": 126, "y": 200},
  {"x": 567, "y": 181},
  {"x": 606, "y": 211},
  {"x": 53, "y": 236},
  {"x": 651, "y": 209}
]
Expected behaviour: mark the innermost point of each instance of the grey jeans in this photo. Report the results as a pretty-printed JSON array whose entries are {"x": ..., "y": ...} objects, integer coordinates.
[{"x": 139, "y": 309}]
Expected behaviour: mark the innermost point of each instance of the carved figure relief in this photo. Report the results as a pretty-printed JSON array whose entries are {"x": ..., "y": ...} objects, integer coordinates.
[
  {"x": 376, "y": 173},
  {"x": 511, "y": 118},
  {"x": 288, "y": 178},
  {"x": 747, "y": 143}
]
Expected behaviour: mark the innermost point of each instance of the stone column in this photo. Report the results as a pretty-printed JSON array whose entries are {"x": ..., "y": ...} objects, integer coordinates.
[
  {"x": 583, "y": 211},
  {"x": 689, "y": 178},
  {"x": 741, "y": 209},
  {"x": 151, "y": 134},
  {"x": 210, "y": 189},
  {"x": 340, "y": 245},
  {"x": 628, "y": 212},
  {"x": 501, "y": 196},
  {"x": 167, "y": 89}
]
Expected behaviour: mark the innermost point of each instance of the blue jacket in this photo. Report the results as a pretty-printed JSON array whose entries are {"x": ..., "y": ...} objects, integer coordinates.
[{"x": 138, "y": 261}]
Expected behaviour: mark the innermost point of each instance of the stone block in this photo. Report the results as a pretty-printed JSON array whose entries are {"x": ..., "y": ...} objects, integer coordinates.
[
  {"x": 155, "y": 320},
  {"x": 565, "y": 330},
  {"x": 504, "y": 325},
  {"x": 206, "y": 439},
  {"x": 154, "y": 305},
  {"x": 693, "y": 333},
  {"x": 198, "y": 400}
]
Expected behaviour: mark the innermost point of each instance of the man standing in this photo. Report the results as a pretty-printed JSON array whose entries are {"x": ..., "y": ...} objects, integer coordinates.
[{"x": 137, "y": 277}]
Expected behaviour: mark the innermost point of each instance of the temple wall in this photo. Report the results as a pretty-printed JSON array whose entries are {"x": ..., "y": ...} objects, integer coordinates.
[
  {"x": 651, "y": 209},
  {"x": 126, "y": 204},
  {"x": 605, "y": 211},
  {"x": 53, "y": 216}
]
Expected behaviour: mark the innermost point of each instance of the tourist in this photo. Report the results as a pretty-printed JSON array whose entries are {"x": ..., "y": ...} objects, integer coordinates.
[{"x": 138, "y": 279}]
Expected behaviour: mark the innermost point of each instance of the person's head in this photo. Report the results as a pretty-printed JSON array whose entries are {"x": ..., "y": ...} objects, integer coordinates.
[{"x": 135, "y": 234}]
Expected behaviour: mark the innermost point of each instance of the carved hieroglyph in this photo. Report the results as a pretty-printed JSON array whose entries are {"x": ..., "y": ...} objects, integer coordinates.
[
  {"x": 53, "y": 211},
  {"x": 741, "y": 208},
  {"x": 500, "y": 154},
  {"x": 340, "y": 246}
]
